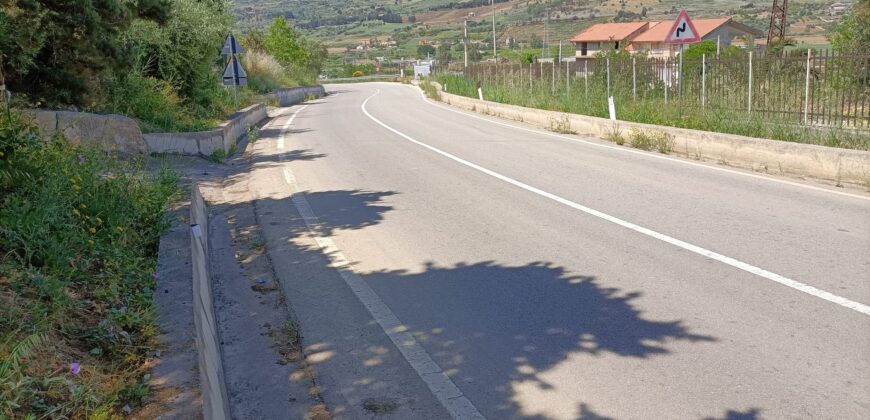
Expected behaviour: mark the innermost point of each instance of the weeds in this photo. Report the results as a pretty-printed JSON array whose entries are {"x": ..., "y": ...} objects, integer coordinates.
[
  {"x": 641, "y": 140},
  {"x": 615, "y": 135},
  {"x": 431, "y": 90},
  {"x": 562, "y": 125},
  {"x": 78, "y": 242}
]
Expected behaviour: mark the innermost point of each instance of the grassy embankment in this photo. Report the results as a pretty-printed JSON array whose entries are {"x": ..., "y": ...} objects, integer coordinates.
[{"x": 78, "y": 241}]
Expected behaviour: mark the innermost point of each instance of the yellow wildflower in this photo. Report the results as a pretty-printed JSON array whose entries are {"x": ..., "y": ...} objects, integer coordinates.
[
  {"x": 83, "y": 205},
  {"x": 76, "y": 187},
  {"x": 76, "y": 212},
  {"x": 91, "y": 242},
  {"x": 92, "y": 230},
  {"x": 119, "y": 229},
  {"x": 99, "y": 221}
]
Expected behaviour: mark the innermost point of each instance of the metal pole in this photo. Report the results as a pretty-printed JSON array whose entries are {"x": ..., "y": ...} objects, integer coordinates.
[
  {"x": 494, "y": 45},
  {"x": 466, "y": 43},
  {"x": 567, "y": 76},
  {"x": 718, "y": 42},
  {"x": 586, "y": 77},
  {"x": 807, "y": 89},
  {"x": 703, "y": 80},
  {"x": 749, "y": 108},
  {"x": 553, "y": 79},
  {"x": 634, "y": 77},
  {"x": 560, "y": 50},
  {"x": 531, "y": 70},
  {"x": 680, "y": 80},
  {"x": 608, "y": 77}
]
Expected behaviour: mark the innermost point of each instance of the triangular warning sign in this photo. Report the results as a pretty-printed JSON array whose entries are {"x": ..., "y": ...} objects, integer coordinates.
[
  {"x": 231, "y": 46},
  {"x": 234, "y": 74},
  {"x": 683, "y": 31}
]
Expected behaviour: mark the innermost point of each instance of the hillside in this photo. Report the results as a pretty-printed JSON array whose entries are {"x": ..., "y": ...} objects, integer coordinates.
[{"x": 359, "y": 30}]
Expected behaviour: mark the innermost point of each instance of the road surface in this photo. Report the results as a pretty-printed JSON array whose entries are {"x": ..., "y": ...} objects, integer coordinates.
[{"x": 443, "y": 264}]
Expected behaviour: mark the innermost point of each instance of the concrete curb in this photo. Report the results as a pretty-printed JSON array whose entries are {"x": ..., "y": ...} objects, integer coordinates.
[
  {"x": 215, "y": 403},
  {"x": 760, "y": 155},
  {"x": 228, "y": 134}
]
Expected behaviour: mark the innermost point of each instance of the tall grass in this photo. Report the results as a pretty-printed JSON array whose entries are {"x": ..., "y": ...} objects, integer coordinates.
[{"x": 589, "y": 97}]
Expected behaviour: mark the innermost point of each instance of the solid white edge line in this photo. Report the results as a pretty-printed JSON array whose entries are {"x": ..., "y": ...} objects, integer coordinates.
[
  {"x": 822, "y": 294},
  {"x": 636, "y": 152},
  {"x": 442, "y": 387}
]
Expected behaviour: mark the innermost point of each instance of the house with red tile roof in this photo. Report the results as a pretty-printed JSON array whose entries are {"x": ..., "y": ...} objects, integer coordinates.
[
  {"x": 723, "y": 31},
  {"x": 648, "y": 37},
  {"x": 606, "y": 37}
]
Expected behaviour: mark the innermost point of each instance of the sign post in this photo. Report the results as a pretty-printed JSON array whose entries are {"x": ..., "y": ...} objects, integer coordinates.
[
  {"x": 234, "y": 74},
  {"x": 683, "y": 32}
]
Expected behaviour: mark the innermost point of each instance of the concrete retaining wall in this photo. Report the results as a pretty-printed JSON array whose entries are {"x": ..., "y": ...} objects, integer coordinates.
[
  {"x": 205, "y": 143},
  {"x": 112, "y": 133},
  {"x": 215, "y": 404},
  {"x": 297, "y": 95},
  {"x": 770, "y": 156}
]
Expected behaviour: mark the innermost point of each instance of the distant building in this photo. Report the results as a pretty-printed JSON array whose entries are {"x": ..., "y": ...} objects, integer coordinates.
[
  {"x": 722, "y": 31},
  {"x": 648, "y": 37},
  {"x": 606, "y": 37}
]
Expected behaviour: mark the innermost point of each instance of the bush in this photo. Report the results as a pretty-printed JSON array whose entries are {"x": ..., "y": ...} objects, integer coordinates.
[
  {"x": 155, "y": 103},
  {"x": 265, "y": 73},
  {"x": 78, "y": 242},
  {"x": 357, "y": 74},
  {"x": 640, "y": 140}
]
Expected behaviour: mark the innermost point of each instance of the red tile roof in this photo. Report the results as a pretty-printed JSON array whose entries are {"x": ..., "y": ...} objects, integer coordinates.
[
  {"x": 610, "y": 32},
  {"x": 658, "y": 31}
]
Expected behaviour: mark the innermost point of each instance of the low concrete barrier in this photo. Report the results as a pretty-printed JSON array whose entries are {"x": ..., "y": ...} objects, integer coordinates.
[
  {"x": 112, "y": 133},
  {"x": 297, "y": 95},
  {"x": 215, "y": 404},
  {"x": 223, "y": 138},
  {"x": 761, "y": 155},
  {"x": 205, "y": 143}
]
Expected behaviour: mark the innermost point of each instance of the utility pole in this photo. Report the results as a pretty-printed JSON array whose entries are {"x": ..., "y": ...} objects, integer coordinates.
[
  {"x": 494, "y": 45},
  {"x": 546, "y": 50},
  {"x": 465, "y": 42},
  {"x": 560, "y": 50}
]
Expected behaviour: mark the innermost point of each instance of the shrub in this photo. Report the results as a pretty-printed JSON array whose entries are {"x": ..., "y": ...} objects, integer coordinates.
[
  {"x": 663, "y": 141},
  {"x": 615, "y": 136},
  {"x": 640, "y": 140},
  {"x": 265, "y": 73},
  {"x": 357, "y": 74}
]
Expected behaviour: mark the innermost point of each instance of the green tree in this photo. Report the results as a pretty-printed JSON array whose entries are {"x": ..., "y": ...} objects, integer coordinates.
[
  {"x": 283, "y": 42},
  {"x": 51, "y": 50},
  {"x": 696, "y": 50},
  {"x": 853, "y": 32},
  {"x": 443, "y": 55},
  {"x": 425, "y": 50}
]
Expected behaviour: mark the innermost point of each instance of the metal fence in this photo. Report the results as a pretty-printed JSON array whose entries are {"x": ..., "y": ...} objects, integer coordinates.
[{"x": 813, "y": 88}]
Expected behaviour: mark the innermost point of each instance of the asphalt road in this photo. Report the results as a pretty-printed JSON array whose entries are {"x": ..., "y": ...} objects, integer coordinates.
[{"x": 552, "y": 278}]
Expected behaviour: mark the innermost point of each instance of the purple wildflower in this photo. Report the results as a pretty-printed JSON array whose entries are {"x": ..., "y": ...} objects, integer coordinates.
[
  {"x": 81, "y": 159},
  {"x": 75, "y": 368}
]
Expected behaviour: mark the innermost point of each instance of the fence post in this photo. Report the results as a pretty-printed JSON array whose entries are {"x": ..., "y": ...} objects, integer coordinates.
[
  {"x": 703, "y": 80},
  {"x": 554, "y": 79},
  {"x": 666, "y": 66},
  {"x": 608, "y": 77},
  {"x": 807, "y": 89},
  {"x": 586, "y": 76},
  {"x": 531, "y": 70},
  {"x": 634, "y": 78},
  {"x": 567, "y": 76},
  {"x": 749, "y": 108}
]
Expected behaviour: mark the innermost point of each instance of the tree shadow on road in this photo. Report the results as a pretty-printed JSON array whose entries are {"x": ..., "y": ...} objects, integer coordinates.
[{"x": 491, "y": 327}]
